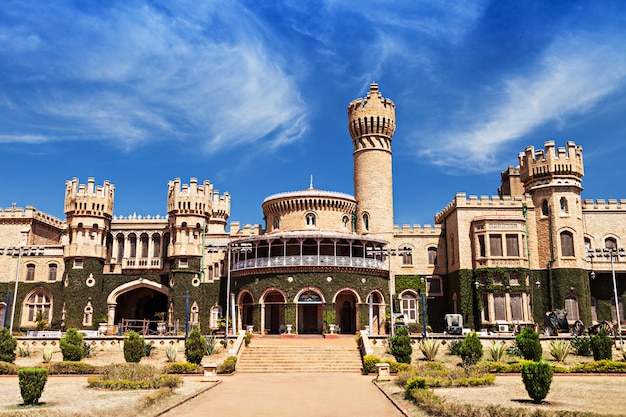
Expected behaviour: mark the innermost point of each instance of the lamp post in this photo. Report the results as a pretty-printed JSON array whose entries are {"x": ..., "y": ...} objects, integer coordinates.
[
  {"x": 389, "y": 252},
  {"x": 611, "y": 253},
  {"x": 17, "y": 280},
  {"x": 423, "y": 296}
]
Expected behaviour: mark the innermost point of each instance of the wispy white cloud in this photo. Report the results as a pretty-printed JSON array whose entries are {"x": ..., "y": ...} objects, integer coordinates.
[
  {"x": 576, "y": 72},
  {"x": 141, "y": 74}
]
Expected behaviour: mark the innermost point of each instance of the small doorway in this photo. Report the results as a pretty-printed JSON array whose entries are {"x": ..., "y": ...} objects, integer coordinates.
[
  {"x": 274, "y": 316},
  {"x": 346, "y": 312},
  {"x": 310, "y": 312}
]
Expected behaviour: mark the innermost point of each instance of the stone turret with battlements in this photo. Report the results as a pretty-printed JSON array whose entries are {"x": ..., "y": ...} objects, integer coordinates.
[
  {"x": 553, "y": 178},
  {"x": 88, "y": 210},
  {"x": 190, "y": 208},
  {"x": 372, "y": 123}
]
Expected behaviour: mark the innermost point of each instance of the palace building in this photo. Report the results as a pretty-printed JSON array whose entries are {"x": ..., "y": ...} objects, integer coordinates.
[{"x": 323, "y": 258}]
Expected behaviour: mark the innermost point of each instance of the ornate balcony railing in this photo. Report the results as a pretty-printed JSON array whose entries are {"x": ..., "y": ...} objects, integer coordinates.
[{"x": 310, "y": 260}]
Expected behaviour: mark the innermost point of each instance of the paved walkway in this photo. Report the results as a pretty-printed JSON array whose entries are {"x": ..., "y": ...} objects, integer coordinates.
[
  {"x": 301, "y": 394},
  {"x": 290, "y": 394}
]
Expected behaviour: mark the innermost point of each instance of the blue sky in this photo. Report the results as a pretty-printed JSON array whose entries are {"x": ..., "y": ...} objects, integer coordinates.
[{"x": 252, "y": 95}]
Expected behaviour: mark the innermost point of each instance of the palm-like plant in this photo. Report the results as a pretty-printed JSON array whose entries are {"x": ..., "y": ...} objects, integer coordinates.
[
  {"x": 497, "y": 350},
  {"x": 429, "y": 348},
  {"x": 559, "y": 349}
]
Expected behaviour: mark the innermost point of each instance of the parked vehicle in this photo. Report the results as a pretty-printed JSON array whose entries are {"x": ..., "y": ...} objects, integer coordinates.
[
  {"x": 454, "y": 323},
  {"x": 556, "y": 321}
]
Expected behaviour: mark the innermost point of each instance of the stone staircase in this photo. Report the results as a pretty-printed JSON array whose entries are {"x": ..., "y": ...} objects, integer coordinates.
[{"x": 299, "y": 359}]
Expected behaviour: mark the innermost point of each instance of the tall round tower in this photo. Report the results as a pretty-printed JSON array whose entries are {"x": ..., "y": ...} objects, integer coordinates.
[{"x": 372, "y": 122}]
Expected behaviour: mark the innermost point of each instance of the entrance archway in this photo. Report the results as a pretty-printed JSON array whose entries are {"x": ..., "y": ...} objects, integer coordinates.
[
  {"x": 137, "y": 300},
  {"x": 246, "y": 306},
  {"x": 345, "y": 304},
  {"x": 310, "y": 310},
  {"x": 273, "y": 311}
]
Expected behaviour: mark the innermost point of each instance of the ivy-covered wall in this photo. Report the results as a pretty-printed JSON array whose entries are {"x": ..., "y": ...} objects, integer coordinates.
[{"x": 556, "y": 285}]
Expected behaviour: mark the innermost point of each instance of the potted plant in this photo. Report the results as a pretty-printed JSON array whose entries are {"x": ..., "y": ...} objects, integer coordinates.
[
  {"x": 161, "y": 322},
  {"x": 103, "y": 324}
]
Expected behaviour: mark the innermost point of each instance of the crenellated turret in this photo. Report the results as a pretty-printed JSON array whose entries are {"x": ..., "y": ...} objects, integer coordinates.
[
  {"x": 372, "y": 122},
  {"x": 220, "y": 212},
  {"x": 562, "y": 166},
  {"x": 189, "y": 207},
  {"x": 89, "y": 210}
]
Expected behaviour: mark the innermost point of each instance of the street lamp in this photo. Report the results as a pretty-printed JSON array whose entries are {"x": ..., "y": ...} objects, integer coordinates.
[
  {"x": 17, "y": 279},
  {"x": 389, "y": 252},
  {"x": 611, "y": 253}
]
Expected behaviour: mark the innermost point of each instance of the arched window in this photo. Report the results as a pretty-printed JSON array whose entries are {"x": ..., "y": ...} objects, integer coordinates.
[
  {"x": 345, "y": 221},
  {"x": 144, "y": 245},
  {"x": 571, "y": 306},
  {"x": 132, "y": 240},
  {"x": 310, "y": 219},
  {"x": 408, "y": 306},
  {"x": 38, "y": 300},
  {"x": 563, "y": 205},
  {"x": 544, "y": 208},
  {"x": 194, "y": 314},
  {"x": 610, "y": 243},
  {"x": 276, "y": 222},
  {"x": 366, "y": 221},
  {"x": 407, "y": 255},
  {"x": 30, "y": 272},
  {"x": 567, "y": 244},
  {"x": 216, "y": 313},
  {"x": 88, "y": 314},
  {"x": 432, "y": 255},
  {"x": 52, "y": 272}
]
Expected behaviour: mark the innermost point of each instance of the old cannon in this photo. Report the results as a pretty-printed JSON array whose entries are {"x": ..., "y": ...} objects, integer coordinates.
[{"x": 556, "y": 321}]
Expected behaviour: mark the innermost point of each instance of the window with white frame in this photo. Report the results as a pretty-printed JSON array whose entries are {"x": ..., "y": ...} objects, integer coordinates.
[
  {"x": 216, "y": 313},
  {"x": 408, "y": 306},
  {"x": 38, "y": 301}
]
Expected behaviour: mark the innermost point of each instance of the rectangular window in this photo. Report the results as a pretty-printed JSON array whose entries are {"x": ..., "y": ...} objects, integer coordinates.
[
  {"x": 495, "y": 245},
  {"x": 78, "y": 263},
  {"x": 434, "y": 286},
  {"x": 481, "y": 246},
  {"x": 486, "y": 307},
  {"x": 52, "y": 273},
  {"x": 183, "y": 263},
  {"x": 517, "y": 312},
  {"x": 512, "y": 246},
  {"x": 409, "y": 308},
  {"x": 30, "y": 272},
  {"x": 567, "y": 244},
  {"x": 499, "y": 307}
]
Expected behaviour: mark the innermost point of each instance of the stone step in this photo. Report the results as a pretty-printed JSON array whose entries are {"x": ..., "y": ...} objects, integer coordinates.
[{"x": 299, "y": 359}]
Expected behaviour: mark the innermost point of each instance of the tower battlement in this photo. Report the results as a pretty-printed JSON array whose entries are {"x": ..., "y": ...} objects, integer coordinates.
[
  {"x": 416, "y": 229},
  {"x": 89, "y": 199},
  {"x": 189, "y": 198},
  {"x": 221, "y": 206},
  {"x": 542, "y": 167},
  {"x": 372, "y": 115},
  {"x": 604, "y": 205},
  {"x": 461, "y": 200}
]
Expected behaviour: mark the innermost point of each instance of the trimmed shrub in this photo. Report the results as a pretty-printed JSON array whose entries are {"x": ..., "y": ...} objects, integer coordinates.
[
  {"x": 582, "y": 346},
  {"x": 134, "y": 347},
  {"x": 454, "y": 346},
  {"x": 32, "y": 382},
  {"x": 170, "y": 381},
  {"x": 395, "y": 367},
  {"x": 228, "y": 366},
  {"x": 603, "y": 366},
  {"x": 537, "y": 377},
  {"x": 195, "y": 347},
  {"x": 416, "y": 383},
  {"x": 527, "y": 341},
  {"x": 8, "y": 368},
  {"x": 72, "y": 346},
  {"x": 71, "y": 368},
  {"x": 248, "y": 338},
  {"x": 601, "y": 346},
  {"x": 369, "y": 364},
  {"x": 471, "y": 349},
  {"x": 401, "y": 347},
  {"x": 7, "y": 346},
  {"x": 182, "y": 368}
]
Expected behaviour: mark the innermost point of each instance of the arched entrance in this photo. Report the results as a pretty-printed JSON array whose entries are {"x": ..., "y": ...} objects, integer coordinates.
[
  {"x": 246, "y": 307},
  {"x": 310, "y": 303},
  {"x": 345, "y": 304},
  {"x": 273, "y": 308},
  {"x": 137, "y": 300}
]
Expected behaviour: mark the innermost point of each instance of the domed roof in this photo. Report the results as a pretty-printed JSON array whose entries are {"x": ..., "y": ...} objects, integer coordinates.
[{"x": 309, "y": 192}]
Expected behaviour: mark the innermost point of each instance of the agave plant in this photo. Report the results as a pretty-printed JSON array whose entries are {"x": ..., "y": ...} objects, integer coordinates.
[
  {"x": 47, "y": 354},
  {"x": 430, "y": 348},
  {"x": 171, "y": 351},
  {"x": 559, "y": 349},
  {"x": 497, "y": 350}
]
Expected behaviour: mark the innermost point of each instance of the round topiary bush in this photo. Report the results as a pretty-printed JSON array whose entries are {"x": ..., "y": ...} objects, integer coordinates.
[
  {"x": 134, "y": 347},
  {"x": 32, "y": 382},
  {"x": 527, "y": 341},
  {"x": 471, "y": 349},
  {"x": 195, "y": 347},
  {"x": 7, "y": 346},
  {"x": 537, "y": 377},
  {"x": 72, "y": 346},
  {"x": 401, "y": 347}
]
